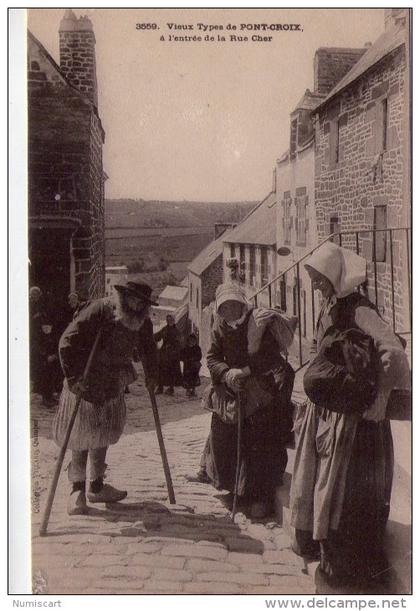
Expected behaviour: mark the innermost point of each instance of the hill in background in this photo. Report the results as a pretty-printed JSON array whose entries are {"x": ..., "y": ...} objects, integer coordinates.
[
  {"x": 156, "y": 213},
  {"x": 158, "y": 239}
]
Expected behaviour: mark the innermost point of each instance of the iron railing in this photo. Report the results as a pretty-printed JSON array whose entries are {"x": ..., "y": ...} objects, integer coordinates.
[{"x": 391, "y": 269}]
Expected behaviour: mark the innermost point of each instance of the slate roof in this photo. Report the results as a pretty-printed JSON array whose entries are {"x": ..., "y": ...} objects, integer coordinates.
[
  {"x": 174, "y": 292},
  {"x": 207, "y": 256},
  {"x": 308, "y": 101},
  {"x": 258, "y": 227}
]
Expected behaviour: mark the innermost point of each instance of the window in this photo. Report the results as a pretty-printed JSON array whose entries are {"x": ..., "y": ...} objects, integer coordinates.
[
  {"x": 264, "y": 266},
  {"x": 301, "y": 220},
  {"x": 334, "y": 227},
  {"x": 287, "y": 219},
  {"x": 197, "y": 301},
  {"x": 252, "y": 265},
  {"x": 191, "y": 292},
  {"x": 242, "y": 255},
  {"x": 232, "y": 251},
  {"x": 379, "y": 241},
  {"x": 283, "y": 294},
  {"x": 336, "y": 140},
  {"x": 337, "y": 144},
  {"x": 295, "y": 298},
  {"x": 303, "y": 294},
  {"x": 384, "y": 124}
]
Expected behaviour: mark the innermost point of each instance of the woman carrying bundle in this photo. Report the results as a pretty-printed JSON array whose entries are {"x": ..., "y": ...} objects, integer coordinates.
[{"x": 342, "y": 477}]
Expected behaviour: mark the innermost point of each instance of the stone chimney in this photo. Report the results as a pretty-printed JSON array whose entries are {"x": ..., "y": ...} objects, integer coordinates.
[
  {"x": 394, "y": 16},
  {"x": 331, "y": 64},
  {"x": 77, "y": 54}
]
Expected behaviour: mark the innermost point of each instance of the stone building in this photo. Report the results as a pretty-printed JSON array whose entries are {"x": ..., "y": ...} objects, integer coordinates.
[
  {"x": 66, "y": 177},
  {"x": 296, "y": 218},
  {"x": 253, "y": 244},
  {"x": 205, "y": 273},
  {"x": 362, "y": 164}
]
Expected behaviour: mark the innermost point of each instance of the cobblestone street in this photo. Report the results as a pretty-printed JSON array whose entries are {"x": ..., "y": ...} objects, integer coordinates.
[{"x": 143, "y": 545}]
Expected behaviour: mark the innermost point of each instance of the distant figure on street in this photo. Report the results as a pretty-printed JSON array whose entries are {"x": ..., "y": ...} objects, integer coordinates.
[
  {"x": 169, "y": 357},
  {"x": 102, "y": 413},
  {"x": 36, "y": 315},
  {"x": 191, "y": 357},
  {"x": 50, "y": 374}
]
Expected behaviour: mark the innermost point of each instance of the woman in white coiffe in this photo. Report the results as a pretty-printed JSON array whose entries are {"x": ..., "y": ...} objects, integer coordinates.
[{"x": 342, "y": 477}]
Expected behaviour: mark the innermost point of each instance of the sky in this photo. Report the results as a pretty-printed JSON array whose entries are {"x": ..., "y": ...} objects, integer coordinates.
[{"x": 202, "y": 120}]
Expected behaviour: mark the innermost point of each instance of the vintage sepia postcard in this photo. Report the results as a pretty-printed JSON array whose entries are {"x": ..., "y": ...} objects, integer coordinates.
[{"x": 219, "y": 301}]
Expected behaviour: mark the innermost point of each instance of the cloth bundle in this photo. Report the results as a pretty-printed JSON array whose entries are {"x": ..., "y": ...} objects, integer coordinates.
[{"x": 343, "y": 377}]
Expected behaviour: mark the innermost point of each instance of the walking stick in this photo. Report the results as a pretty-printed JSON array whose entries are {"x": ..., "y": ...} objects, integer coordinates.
[
  {"x": 165, "y": 463},
  {"x": 60, "y": 459},
  {"x": 238, "y": 453}
]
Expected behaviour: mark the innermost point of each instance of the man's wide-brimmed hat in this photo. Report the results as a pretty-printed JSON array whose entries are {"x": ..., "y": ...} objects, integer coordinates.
[{"x": 140, "y": 290}]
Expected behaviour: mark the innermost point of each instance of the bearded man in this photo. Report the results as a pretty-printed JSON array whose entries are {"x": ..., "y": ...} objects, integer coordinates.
[{"x": 102, "y": 413}]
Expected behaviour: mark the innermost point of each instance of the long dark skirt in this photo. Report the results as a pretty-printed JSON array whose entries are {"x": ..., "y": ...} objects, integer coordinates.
[
  {"x": 355, "y": 551},
  {"x": 190, "y": 374},
  {"x": 341, "y": 491},
  {"x": 169, "y": 369},
  {"x": 263, "y": 455}
]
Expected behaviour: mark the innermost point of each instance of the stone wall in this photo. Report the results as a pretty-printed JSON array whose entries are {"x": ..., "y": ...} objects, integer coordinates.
[
  {"x": 210, "y": 280},
  {"x": 65, "y": 140},
  {"x": 367, "y": 175},
  {"x": 201, "y": 293}
]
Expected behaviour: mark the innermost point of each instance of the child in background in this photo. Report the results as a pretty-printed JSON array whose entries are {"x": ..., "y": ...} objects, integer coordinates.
[{"x": 191, "y": 357}]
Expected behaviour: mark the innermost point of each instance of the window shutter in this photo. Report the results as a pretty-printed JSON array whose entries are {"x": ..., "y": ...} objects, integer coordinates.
[
  {"x": 333, "y": 142},
  {"x": 379, "y": 127}
]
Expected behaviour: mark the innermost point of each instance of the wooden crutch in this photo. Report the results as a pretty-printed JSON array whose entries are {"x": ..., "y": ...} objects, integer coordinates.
[
  {"x": 238, "y": 452},
  {"x": 164, "y": 457},
  {"x": 60, "y": 459}
]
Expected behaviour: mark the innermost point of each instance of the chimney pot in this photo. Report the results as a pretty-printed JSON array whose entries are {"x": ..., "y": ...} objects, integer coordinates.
[{"x": 68, "y": 22}]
